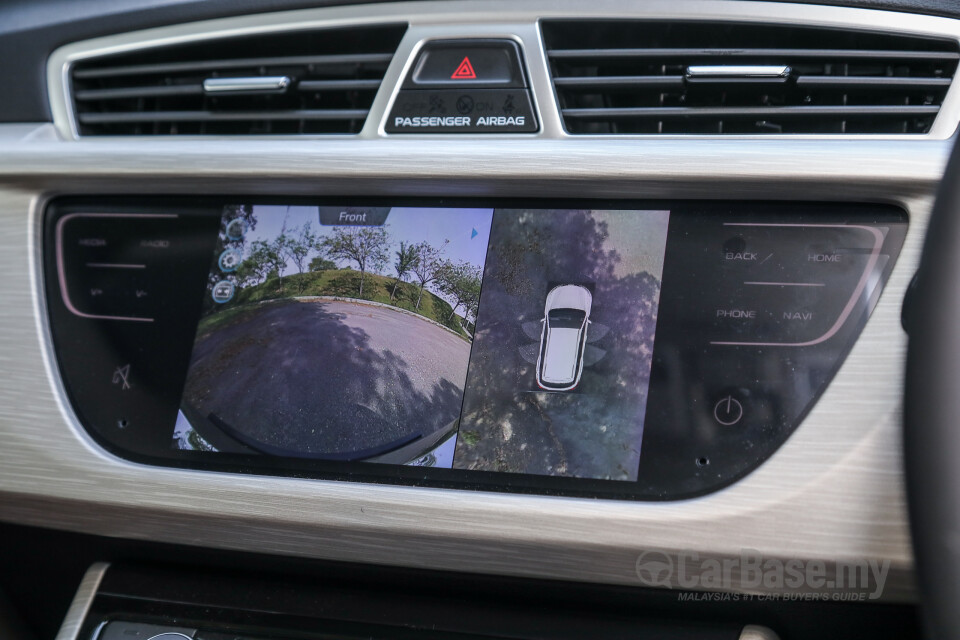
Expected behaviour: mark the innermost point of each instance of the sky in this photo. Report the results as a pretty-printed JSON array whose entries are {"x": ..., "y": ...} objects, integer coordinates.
[{"x": 407, "y": 224}]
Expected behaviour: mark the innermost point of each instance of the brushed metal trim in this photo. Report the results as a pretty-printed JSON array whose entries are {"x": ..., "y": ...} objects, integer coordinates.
[
  {"x": 853, "y": 169},
  {"x": 70, "y": 629},
  {"x": 502, "y": 19}
]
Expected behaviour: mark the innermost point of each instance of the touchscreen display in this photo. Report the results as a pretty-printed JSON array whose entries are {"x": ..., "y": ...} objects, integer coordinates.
[{"x": 504, "y": 340}]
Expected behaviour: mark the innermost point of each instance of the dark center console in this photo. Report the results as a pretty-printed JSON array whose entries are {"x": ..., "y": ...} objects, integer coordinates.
[
  {"x": 147, "y": 602},
  {"x": 639, "y": 350}
]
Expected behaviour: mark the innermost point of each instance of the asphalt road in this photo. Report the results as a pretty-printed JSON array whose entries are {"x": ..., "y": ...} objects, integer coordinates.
[{"x": 324, "y": 377}]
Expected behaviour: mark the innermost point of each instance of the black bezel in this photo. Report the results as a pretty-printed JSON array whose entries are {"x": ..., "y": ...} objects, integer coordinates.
[{"x": 664, "y": 481}]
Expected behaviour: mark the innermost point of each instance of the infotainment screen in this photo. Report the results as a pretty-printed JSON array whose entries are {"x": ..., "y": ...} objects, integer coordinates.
[
  {"x": 501, "y": 340},
  {"x": 642, "y": 350}
]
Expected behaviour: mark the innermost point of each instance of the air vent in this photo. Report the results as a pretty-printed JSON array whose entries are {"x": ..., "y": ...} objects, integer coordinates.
[
  {"x": 305, "y": 82},
  {"x": 719, "y": 78}
]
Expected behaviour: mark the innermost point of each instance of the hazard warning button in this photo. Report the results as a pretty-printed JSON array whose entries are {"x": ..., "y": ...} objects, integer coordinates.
[
  {"x": 464, "y": 71},
  {"x": 488, "y": 64}
]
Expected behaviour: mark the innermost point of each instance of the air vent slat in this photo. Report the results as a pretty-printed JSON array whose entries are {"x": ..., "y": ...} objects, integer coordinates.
[
  {"x": 139, "y": 92},
  {"x": 330, "y": 85},
  {"x": 246, "y": 63},
  {"x": 619, "y": 82},
  {"x": 326, "y": 82},
  {"x": 859, "y": 82},
  {"x": 725, "y": 54},
  {"x": 643, "y": 78},
  {"x": 223, "y": 116},
  {"x": 733, "y": 112}
]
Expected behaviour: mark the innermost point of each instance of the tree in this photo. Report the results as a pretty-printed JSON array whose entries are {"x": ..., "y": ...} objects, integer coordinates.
[
  {"x": 406, "y": 259},
  {"x": 298, "y": 248},
  {"x": 264, "y": 261},
  {"x": 425, "y": 266},
  {"x": 320, "y": 263},
  {"x": 461, "y": 282},
  {"x": 276, "y": 257},
  {"x": 368, "y": 247},
  {"x": 257, "y": 265}
]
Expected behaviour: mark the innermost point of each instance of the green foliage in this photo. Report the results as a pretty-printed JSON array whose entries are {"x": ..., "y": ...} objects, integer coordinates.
[
  {"x": 340, "y": 283},
  {"x": 222, "y": 318},
  {"x": 268, "y": 260},
  {"x": 461, "y": 281},
  {"x": 347, "y": 263},
  {"x": 198, "y": 443},
  {"x": 298, "y": 248},
  {"x": 424, "y": 268},
  {"x": 257, "y": 266},
  {"x": 406, "y": 259},
  {"x": 321, "y": 264},
  {"x": 368, "y": 247}
]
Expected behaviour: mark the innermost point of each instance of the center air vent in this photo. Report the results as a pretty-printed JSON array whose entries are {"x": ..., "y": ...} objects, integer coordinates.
[
  {"x": 718, "y": 78},
  {"x": 306, "y": 82}
]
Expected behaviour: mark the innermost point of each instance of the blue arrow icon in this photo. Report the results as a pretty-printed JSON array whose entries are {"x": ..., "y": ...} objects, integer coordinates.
[{"x": 474, "y": 234}]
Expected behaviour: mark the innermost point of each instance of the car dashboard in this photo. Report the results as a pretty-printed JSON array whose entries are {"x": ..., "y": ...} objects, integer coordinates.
[{"x": 763, "y": 173}]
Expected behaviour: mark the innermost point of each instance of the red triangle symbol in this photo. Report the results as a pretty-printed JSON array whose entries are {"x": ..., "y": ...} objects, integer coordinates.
[{"x": 464, "y": 71}]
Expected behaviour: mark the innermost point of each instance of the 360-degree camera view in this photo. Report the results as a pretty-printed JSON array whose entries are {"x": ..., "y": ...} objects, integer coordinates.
[
  {"x": 361, "y": 334},
  {"x": 561, "y": 362}
]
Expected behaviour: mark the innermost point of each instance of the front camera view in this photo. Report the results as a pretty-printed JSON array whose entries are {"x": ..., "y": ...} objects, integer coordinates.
[{"x": 361, "y": 334}]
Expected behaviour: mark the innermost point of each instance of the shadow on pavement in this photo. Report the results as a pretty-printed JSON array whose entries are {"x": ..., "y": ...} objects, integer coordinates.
[{"x": 296, "y": 378}]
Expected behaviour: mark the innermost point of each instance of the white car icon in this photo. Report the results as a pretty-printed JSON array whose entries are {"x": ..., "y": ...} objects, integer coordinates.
[{"x": 563, "y": 337}]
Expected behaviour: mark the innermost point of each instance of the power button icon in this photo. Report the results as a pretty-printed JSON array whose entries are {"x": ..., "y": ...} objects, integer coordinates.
[{"x": 728, "y": 411}]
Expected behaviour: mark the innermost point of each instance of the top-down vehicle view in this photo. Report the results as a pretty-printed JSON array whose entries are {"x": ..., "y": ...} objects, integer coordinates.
[
  {"x": 479, "y": 319},
  {"x": 564, "y": 337}
]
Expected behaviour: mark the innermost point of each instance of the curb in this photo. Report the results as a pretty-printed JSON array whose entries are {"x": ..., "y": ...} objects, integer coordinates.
[{"x": 370, "y": 303}]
